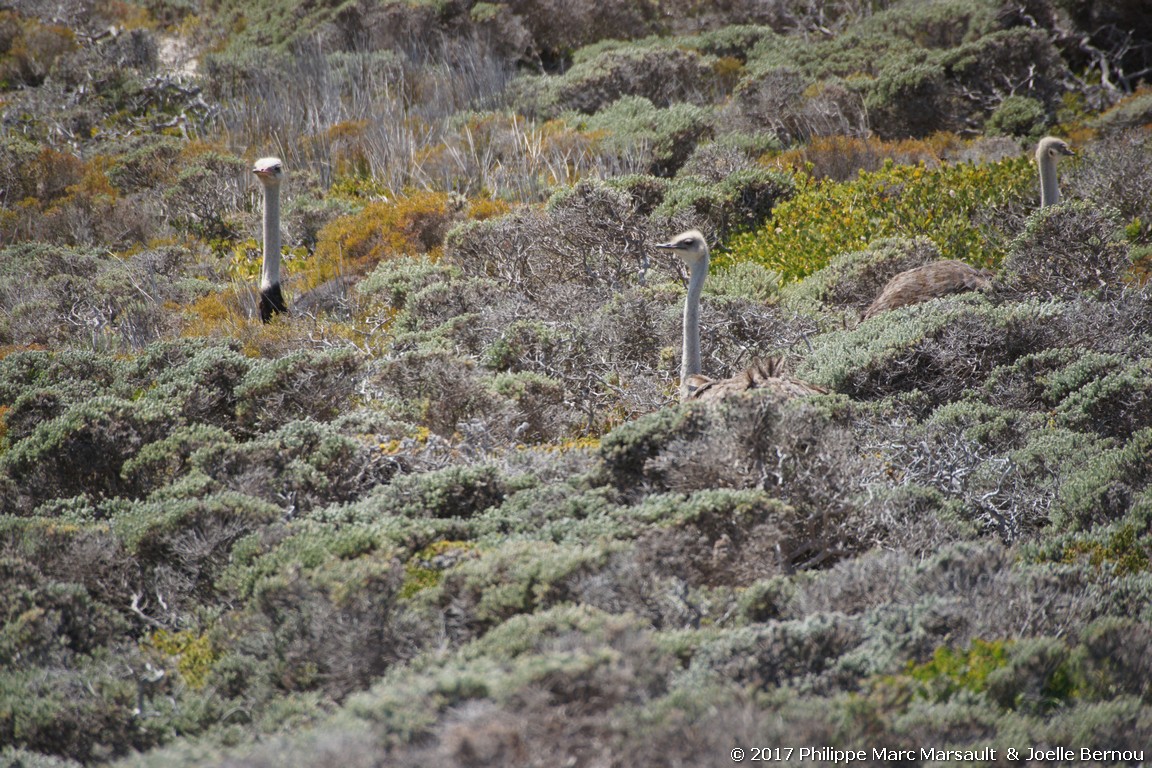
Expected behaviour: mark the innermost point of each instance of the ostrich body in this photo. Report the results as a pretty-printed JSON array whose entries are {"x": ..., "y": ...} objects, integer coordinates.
[
  {"x": 270, "y": 171},
  {"x": 693, "y": 250},
  {"x": 766, "y": 374},
  {"x": 1048, "y": 151},
  {"x": 938, "y": 278}
]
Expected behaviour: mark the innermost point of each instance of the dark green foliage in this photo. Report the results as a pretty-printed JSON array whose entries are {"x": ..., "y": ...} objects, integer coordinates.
[
  {"x": 303, "y": 385},
  {"x": 627, "y": 450},
  {"x": 742, "y": 200},
  {"x": 1066, "y": 249},
  {"x": 660, "y": 75},
  {"x": 457, "y": 492},
  {"x": 83, "y": 450},
  {"x": 910, "y": 98},
  {"x": 939, "y": 349},
  {"x": 1104, "y": 489},
  {"x": 1018, "y": 116},
  {"x": 460, "y": 523},
  {"x": 203, "y": 384}
]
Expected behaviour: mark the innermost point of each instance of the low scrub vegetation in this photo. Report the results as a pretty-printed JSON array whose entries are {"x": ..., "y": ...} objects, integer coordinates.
[{"x": 447, "y": 510}]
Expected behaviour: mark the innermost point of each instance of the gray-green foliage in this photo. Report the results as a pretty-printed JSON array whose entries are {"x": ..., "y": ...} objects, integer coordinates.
[
  {"x": 463, "y": 524},
  {"x": 1067, "y": 249}
]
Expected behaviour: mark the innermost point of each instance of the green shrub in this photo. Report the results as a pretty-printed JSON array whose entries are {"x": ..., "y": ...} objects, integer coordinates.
[
  {"x": 662, "y": 138},
  {"x": 83, "y": 450},
  {"x": 300, "y": 385},
  {"x": 660, "y": 75},
  {"x": 1018, "y": 116},
  {"x": 950, "y": 671},
  {"x": 742, "y": 201},
  {"x": 1066, "y": 249},
  {"x": 519, "y": 577},
  {"x": 825, "y": 219},
  {"x": 1038, "y": 675},
  {"x": 853, "y": 280},
  {"x": 1103, "y": 490}
]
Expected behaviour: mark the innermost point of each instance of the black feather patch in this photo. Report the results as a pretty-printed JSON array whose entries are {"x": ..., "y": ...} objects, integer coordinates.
[{"x": 271, "y": 302}]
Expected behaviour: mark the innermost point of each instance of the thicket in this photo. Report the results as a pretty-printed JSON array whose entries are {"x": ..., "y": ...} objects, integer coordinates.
[{"x": 447, "y": 511}]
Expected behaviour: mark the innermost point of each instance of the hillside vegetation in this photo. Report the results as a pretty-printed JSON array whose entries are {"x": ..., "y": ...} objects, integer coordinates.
[{"x": 448, "y": 510}]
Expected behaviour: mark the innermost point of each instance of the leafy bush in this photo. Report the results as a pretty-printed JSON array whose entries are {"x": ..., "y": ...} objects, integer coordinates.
[
  {"x": 1018, "y": 116},
  {"x": 1104, "y": 489},
  {"x": 83, "y": 450},
  {"x": 661, "y": 75},
  {"x": 825, "y": 219},
  {"x": 939, "y": 348},
  {"x": 742, "y": 200},
  {"x": 1064, "y": 250},
  {"x": 663, "y": 136}
]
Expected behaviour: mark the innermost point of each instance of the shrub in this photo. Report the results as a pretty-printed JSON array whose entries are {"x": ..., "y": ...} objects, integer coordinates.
[
  {"x": 1066, "y": 249},
  {"x": 853, "y": 280},
  {"x": 185, "y": 544},
  {"x": 664, "y": 136},
  {"x": 940, "y": 348},
  {"x": 519, "y": 577},
  {"x": 29, "y": 49},
  {"x": 414, "y": 225},
  {"x": 592, "y": 234},
  {"x": 825, "y": 219},
  {"x": 205, "y": 192},
  {"x": 83, "y": 450},
  {"x": 1103, "y": 490},
  {"x": 204, "y": 384},
  {"x": 301, "y": 466},
  {"x": 661, "y": 75},
  {"x": 1113, "y": 402},
  {"x": 1018, "y": 116},
  {"x": 717, "y": 537},
  {"x": 312, "y": 385},
  {"x": 742, "y": 201},
  {"x": 1111, "y": 175}
]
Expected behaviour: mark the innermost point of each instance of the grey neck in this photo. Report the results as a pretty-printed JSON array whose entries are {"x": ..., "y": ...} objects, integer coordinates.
[
  {"x": 1049, "y": 188},
  {"x": 690, "y": 357},
  {"x": 270, "y": 270}
]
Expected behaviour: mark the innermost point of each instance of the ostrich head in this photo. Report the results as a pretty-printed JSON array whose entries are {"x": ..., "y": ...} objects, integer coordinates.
[
  {"x": 269, "y": 170},
  {"x": 1052, "y": 147},
  {"x": 689, "y": 246}
]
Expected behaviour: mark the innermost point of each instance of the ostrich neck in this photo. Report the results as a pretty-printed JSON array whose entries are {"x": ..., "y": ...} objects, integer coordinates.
[
  {"x": 1049, "y": 189},
  {"x": 270, "y": 271},
  {"x": 690, "y": 359}
]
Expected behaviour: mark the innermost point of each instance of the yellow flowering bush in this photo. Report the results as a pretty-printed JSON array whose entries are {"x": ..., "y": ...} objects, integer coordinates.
[{"x": 826, "y": 218}]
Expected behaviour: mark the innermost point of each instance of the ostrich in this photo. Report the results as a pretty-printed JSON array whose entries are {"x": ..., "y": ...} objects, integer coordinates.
[
  {"x": 1048, "y": 151},
  {"x": 929, "y": 281},
  {"x": 941, "y": 278},
  {"x": 693, "y": 249},
  {"x": 270, "y": 171}
]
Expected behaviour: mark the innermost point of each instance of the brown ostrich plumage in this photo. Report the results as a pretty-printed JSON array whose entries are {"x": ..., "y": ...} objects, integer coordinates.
[
  {"x": 939, "y": 278},
  {"x": 767, "y": 375}
]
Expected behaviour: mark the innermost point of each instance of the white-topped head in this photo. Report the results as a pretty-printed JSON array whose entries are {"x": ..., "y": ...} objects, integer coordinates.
[
  {"x": 1052, "y": 147},
  {"x": 689, "y": 246},
  {"x": 269, "y": 170}
]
